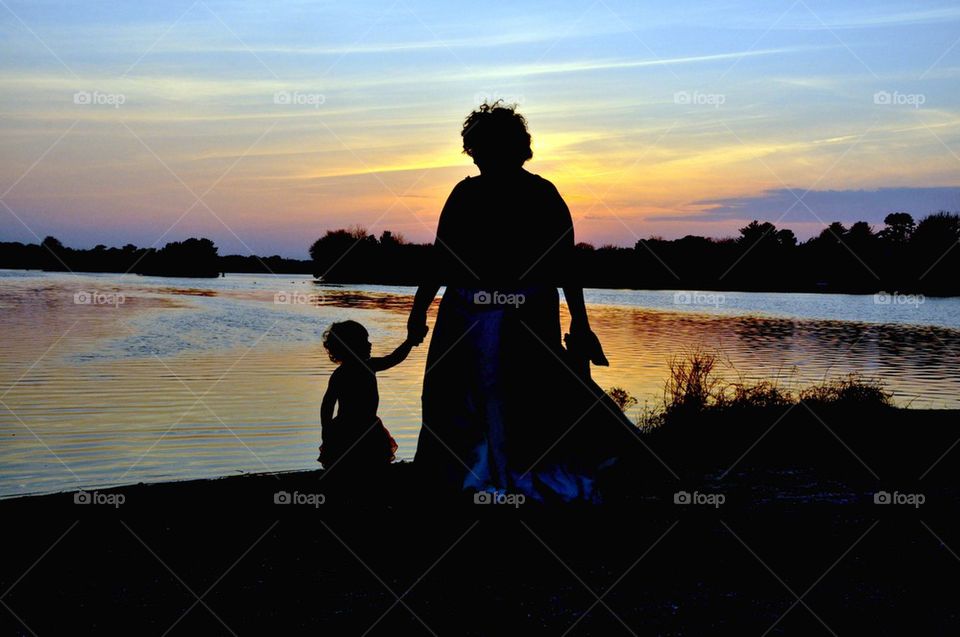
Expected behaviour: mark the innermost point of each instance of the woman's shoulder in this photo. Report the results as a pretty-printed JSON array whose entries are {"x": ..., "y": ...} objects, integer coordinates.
[
  {"x": 542, "y": 182},
  {"x": 549, "y": 193},
  {"x": 462, "y": 189},
  {"x": 531, "y": 182}
]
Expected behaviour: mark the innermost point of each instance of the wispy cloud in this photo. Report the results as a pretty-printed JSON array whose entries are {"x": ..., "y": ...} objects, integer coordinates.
[{"x": 597, "y": 82}]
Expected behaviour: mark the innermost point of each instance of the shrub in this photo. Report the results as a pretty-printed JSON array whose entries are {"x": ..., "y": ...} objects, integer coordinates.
[
  {"x": 852, "y": 390},
  {"x": 692, "y": 384},
  {"x": 761, "y": 395},
  {"x": 622, "y": 397}
]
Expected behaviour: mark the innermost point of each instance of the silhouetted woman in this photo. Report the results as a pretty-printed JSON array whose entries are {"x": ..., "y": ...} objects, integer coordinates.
[{"x": 506, "y": 408}]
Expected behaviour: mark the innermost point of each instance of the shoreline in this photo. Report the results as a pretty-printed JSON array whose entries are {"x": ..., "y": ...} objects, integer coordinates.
[
  {"x": 807, "y": 291},
  {"x": 824, "y": 458},
  {"x": 799, "y": 522}
]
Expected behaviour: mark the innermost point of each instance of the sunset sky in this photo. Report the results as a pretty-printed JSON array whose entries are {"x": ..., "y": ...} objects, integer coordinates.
[{"x": 261, "y": 125}]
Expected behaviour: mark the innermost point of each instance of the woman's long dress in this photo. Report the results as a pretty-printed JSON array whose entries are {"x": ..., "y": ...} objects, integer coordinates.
[{"x": 505, "y": 407}]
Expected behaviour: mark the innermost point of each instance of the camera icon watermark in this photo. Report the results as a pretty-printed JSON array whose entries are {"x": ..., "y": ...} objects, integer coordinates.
[
  {"x": 896, "y": 298},
  {"x": 284, "y": 297},
  {"x": 116, "y": 500},
  {"x": 716, "y": 500},
  {"x": 296, "y": 98},
  {"x": 696, "y": 98},
  {"x": 308, "y": 499},
  {"x": 97, "y": 98},
  {"x": 916, "y": 500},
  {"x": 896, "y": 98},
  {"x": 712, "y": 299},
  {"x": 510, "y": 499},
  {"x": 484, "y": 297},
  {"x": 93, "y": 297}
]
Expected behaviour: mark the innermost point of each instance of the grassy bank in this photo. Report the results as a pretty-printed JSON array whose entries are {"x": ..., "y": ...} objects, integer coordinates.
[{"x": 749, "y": 435}]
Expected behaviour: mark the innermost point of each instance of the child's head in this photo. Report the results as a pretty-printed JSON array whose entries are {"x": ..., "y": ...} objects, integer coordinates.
[{"x": 347, "y": 340}]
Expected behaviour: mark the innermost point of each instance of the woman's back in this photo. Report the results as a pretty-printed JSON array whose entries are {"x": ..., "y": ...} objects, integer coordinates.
[{"x": 504, "y": 230}]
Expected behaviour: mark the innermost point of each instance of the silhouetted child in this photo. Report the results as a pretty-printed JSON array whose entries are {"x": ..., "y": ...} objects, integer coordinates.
[{"x": 355, "y": 438}]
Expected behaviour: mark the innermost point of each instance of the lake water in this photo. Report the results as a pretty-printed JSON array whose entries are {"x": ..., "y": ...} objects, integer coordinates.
[{"x": 111, "y": 379}]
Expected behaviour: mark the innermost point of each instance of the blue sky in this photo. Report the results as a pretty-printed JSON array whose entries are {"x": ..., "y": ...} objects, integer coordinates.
[{"x": 261, "y": 125}]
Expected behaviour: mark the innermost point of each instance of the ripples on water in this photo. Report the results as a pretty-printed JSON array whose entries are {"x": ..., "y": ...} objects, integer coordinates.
[{"x": 205, "y": 378}]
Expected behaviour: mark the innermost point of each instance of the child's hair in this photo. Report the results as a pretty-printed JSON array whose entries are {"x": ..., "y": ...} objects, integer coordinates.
[{"x": 343, "y": 339}]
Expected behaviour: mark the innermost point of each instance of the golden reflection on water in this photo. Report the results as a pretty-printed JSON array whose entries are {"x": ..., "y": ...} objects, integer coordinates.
[{"x": 77, "y": 409}]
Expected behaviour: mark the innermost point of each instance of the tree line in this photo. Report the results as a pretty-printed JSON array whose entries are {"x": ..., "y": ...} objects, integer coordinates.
[
  {"x": 190, "y": 258},
  {"x": 195, "y": 257},
  {"x": 904, "y": 256}
]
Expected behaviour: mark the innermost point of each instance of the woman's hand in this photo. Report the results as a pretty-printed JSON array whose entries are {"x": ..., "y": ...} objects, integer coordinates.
[
  {"x": 417, "y": 323},
  {"x": 581, "y": 340},
  {"x": 585, "y": 343},
  {"x": 416, "y": 328}
]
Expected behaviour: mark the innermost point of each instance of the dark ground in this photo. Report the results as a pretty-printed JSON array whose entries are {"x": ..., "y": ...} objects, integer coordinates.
[{"x": 798, "y": 547}]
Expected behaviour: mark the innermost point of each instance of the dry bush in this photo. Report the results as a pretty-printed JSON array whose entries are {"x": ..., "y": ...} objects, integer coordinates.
[
  {"x": 761, "y": 394},
  {"x": 850, "y": 390},
  {"x": 624, "y": 399},
  {"x": 692, "y": 383}
]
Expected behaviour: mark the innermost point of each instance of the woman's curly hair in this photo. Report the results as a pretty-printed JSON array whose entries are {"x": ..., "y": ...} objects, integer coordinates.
[
  {"x": 496, "y": 134},
  {"x": 344, "y": 339}
]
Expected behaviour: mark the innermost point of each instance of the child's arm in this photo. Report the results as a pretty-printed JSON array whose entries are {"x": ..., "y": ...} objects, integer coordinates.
[
  {"x": 392, "y": 359},
  {"x": 329, "y": 400}
]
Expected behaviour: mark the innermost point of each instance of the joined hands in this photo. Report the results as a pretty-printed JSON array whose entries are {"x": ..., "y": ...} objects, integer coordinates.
[{"x": 417, "y": 330}]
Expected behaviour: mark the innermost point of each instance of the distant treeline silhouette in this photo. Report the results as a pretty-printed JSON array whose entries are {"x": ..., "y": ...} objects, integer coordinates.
[
  {"x": 190, "y": 258},
  {"x": 904, "y": 256}
]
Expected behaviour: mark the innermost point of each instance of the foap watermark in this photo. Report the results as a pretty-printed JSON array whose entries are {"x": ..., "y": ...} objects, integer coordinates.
[
  {"x": 885, "y": 298},
  {"x": 484, "y": 297},
  {"x": 896, "y": 98},
  {"x": 116, "y": 500},
  {"x": 696, "y": 98},
  {"x": 94, "y": 297},
  {"x": 693, "y": 297},
  {"x": 702, "y": 499},
  {"x": 909, "y": 499},
  {"x": 309, "y": 499},
  {"x": 296, "y": 98},
  {"x": 510, "y": 499},
  {"x": 297, "y": 298},
  {"x": 99, "y": 98}
]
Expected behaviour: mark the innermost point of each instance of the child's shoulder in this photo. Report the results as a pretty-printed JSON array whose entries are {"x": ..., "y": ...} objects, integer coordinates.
[
  {"x": 344, "y": 373},
  {"x": 336, "y": 375}
]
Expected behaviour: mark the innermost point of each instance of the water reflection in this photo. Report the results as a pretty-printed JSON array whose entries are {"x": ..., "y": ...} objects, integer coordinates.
[{"x": 204, "y": 378}]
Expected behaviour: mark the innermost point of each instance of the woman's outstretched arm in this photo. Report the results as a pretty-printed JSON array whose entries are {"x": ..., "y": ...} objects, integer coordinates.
[
  {"x": 417, "y": 322},
  {"x": 578, "y": 309},
  {"x": 581, "y": 337},
  {"x": 436, "y": 271},
  {"x": 568, "y": 269}
]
